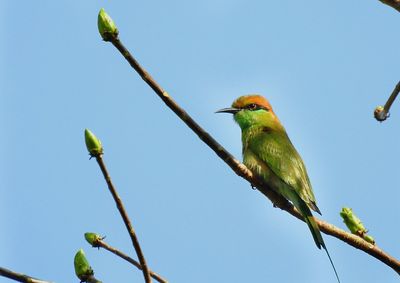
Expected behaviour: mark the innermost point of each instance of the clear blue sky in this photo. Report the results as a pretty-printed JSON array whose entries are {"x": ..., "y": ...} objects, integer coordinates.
[{"x": 323, "y": 65}]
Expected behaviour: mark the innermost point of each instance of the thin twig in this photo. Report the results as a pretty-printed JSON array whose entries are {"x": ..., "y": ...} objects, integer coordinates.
[
  {"x": 125, "y": 217},
  {"x": 392, "y": 97},
  {"x": 382, "y": 113},
  {"x": 241, "y": 170},
  {"x": 395, "y": 4},
  {"x": 92, "y": 279},
  {"x": 102, "y": 244},
  {"x": 19, "y": 276}
]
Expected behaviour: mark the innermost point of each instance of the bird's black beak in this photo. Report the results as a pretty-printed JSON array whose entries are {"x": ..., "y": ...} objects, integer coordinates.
[{"x": 228, "y": 110}]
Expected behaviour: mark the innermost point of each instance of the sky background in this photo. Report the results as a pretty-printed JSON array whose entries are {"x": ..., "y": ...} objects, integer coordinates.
[{"x": 324, "y": 66}]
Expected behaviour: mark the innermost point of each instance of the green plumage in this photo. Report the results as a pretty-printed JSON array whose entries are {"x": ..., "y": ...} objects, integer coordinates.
[{"x": 269, "y": 153}]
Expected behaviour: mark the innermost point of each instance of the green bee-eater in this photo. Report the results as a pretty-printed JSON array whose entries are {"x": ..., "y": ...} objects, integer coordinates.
[{"x": 269, "y": 154}]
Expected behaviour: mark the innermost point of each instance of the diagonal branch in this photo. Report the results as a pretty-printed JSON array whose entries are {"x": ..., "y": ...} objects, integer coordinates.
[
  {"x": 125, "y": 217},
  {"x": 245, "y": 173},
  {"x": 395, "y": 4},
  {"x": 19, "y": 276},
  {"x": 392, "y": 97},
  {"x": 99, "y": 243},
  {"x": 382, "y": 113}
]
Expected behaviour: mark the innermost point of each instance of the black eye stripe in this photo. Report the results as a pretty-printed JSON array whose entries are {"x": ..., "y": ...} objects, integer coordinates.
[{"x": 254, "y": 107}]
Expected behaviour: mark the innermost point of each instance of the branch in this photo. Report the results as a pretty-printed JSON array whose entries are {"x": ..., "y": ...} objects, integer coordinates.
[
  {"x": 19, "y": 276},
  {"x": 125, "y": 217},
  {"x": 99, "y": 243},
  {"x": 395, "y": 4},
  {"x": 241, "y": 170},
  {"x": 92, "y": 279},
  {"x": 382, "y": 113}
]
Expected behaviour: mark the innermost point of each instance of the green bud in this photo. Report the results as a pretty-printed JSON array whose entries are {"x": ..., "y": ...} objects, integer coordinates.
[
  {"x": 355, "y": 225},
  {"x": 107, "y": 28},
  {"x": 352, "y": 221},
  {"x": 82, "y": 266},
  {"x": 93, "y": 238},
  {"x": 93, "y": 144},
  {"x": 380, "y": 114},
  {"x": 369, "y": 239}
]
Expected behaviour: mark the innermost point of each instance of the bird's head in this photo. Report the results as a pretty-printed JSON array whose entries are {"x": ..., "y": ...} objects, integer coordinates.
[{"x": 253, "y": 110}]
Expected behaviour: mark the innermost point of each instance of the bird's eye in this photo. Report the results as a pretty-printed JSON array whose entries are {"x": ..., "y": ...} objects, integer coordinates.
[{"x": 252, "y": 106}]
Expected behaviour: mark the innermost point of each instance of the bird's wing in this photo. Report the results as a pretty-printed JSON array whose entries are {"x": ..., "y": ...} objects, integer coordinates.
[{"x": 277, "y": 151}]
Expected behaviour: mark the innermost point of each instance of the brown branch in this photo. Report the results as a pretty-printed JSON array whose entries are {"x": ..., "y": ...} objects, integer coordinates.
[
  {"x": 99, "y": 243},
  {"x": 125, "y": 217},
  {"x": 392, "y": 97},
  {"x": 19, "y": 276},
  {"x": 241, "y": 170},
  {"x": 382, "y": 113},
  {"x": 353, "y": 240},
  {"x": 92, "y": 279},
  {"x": 395, "y": 4}
]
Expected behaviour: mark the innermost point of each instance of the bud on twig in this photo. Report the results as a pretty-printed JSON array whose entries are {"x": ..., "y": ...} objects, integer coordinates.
[
  {"x": 93, "y": 238},
  {"x": 380, "y": 113},
  {"x": 369, "y": 239},
  {"x": 93, "y": 144},
  {"x": 107, "y": 28},
  {"x": 82, "y": 266},
  {"x": 355, "y": 225}
]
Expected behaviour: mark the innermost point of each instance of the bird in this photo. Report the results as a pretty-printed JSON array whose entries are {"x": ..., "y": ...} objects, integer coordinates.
[{"x": 268, "y": 152}]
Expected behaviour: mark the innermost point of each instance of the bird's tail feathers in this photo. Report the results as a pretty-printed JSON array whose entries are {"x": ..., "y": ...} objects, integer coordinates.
[
  {"x": 309, "y": 219},
  {"x": 312, "y": 225},
  {"x": 319, "y": 241},
  {"x": 333, "y": 266},
  {"x": 314, "y": 207}
]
